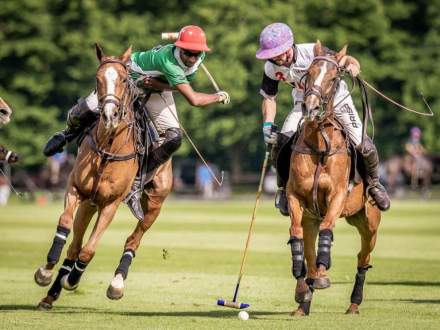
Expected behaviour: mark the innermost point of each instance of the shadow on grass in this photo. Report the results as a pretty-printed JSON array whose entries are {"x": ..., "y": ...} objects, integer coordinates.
[
  {"x": 405, "y": 283},
  {"x": 414, "y": 301},
  {"x": 80, "y": 310},
  {"x": 34, "y": 307}
]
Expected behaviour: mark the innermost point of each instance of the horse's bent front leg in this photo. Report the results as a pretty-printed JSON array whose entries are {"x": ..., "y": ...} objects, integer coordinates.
[
  {"x": 82, "y": 218},
  {"x": 43, "y": 275},
  {"x": 106, "y": 214},
  {"x": 152, "y": 203}
]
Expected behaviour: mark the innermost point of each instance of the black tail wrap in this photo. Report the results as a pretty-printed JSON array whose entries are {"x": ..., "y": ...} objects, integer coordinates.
[
  {"x": 299, "y": 268},
  {"x": 324, "y": 248},
  {"x": 77, "y": 270},
  {"x": 358, "y": 288},
  {"x": 56, "y": 288},
  {"x": 57, "y": 245},
  {"x": 125, "y": 263}
]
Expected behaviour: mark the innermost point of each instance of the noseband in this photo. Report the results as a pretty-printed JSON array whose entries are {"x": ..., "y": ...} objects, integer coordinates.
[{"x": 112, "y": 98}]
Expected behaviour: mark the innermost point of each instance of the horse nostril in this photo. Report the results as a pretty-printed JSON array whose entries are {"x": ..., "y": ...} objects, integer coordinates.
[
  {"x": 3, "y": 112},
  {"x": 115, "y": 115}
]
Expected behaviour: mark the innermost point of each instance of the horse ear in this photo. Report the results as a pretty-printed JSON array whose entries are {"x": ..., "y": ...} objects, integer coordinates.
[
  {"x": 99, "y": 52},
  {"x": 341, "y": 55},
  {"x": 126, "y": 56},
  {"x": 318, "y": 48}
]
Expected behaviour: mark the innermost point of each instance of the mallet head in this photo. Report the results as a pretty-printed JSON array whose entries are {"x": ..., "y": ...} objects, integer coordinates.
[{"x": 232, "y": 304}]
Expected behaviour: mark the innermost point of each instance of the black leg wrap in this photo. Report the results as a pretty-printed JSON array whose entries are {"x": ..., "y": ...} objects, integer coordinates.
[
  {"x": 298, "y": 265},
  {"x": 358, "y": 288},
  {"x": 56, "y": 288},
  {"x": 57, "y": 245},
  {"x": 125, "y": 263},
  {"x": 78, "y": 269},
  {"x": 305, "y": 306},
  {"x": 324, "y": 246}
]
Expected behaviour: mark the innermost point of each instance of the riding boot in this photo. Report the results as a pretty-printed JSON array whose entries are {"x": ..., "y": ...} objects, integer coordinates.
[
  {"x": 371, "y": 161},
  {"x": 172, "y": 142},
  {"x": 280, "y": 196},
  {"x": 79, "y": 118},
  {"x": 133, "y": 199}
]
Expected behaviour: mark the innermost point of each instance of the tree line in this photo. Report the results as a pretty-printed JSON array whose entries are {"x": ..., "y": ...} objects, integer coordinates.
[{"x": 47, "y": 62}]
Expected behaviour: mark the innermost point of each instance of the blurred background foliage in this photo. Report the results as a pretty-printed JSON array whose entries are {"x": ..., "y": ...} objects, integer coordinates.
[{"x": 47, "y": 62}]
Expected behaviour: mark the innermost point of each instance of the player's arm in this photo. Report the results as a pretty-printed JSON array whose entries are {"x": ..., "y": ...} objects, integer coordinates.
[{"x": 198, "y": 99}]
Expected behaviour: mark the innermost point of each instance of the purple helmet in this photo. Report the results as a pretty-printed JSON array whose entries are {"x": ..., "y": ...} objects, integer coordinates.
[
  {"x": 415, "y": 131},
  {"x": 275, "y": 39}
]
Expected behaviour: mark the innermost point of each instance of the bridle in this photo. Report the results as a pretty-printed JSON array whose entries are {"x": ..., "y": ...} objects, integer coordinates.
[
  {"x": 111, "y": 98},
  {"x": 324, "y": 98},
  {"x": 106, "y": 156}
]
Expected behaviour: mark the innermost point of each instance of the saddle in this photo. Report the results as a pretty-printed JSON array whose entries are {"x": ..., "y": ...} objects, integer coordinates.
[{"x": 282, "y": 161}]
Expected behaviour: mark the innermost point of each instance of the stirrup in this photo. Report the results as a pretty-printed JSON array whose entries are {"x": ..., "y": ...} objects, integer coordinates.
[{"x": 133, "y": 201}]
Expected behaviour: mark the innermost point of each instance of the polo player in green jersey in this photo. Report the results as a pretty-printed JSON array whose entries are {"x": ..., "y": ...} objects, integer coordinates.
[{"x": 160, "y": 71}]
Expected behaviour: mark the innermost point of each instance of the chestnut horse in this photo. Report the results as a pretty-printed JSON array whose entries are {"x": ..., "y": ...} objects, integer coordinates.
[
  {"x": 103, "y": 173},
  {"x": 319, "y": 189},
  {"x": 5, "y": 116}
]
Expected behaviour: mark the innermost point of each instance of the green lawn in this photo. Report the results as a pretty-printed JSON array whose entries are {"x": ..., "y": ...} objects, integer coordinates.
[{"x": 204, "y": 241}]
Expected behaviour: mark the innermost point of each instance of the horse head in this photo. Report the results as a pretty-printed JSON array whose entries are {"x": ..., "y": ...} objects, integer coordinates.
[
  {"x": 322, "y": 81},
  {"x": 111, "y": 86},
  {"x": 5, "y": 112}
]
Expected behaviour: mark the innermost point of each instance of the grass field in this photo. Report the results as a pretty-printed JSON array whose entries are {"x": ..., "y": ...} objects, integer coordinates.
[{"x": 204, "y": 241}]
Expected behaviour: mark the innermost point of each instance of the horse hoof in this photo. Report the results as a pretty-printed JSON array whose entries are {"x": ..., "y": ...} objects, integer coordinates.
[
  {"x": 115, "y": 290},
  {"x": 321, "y": 283},
  {"x": 298, "y": 312},
  {"x": 43, "y": 276},
  {"x": 45, "y": 304},
  {"x": 352, "y": 310},
  {"x": 66, "y": 285}
]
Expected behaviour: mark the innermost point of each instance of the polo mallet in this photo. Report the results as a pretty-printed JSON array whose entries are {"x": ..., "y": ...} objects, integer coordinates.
[
  {"x": 175, "y": 36},
  {"x": 234, "y": 303}
]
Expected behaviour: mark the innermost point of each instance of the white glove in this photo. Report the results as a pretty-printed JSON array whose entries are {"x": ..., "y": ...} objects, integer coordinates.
[
  {"x": 270, "y": 135},
  {"x": 354, "y": 68},
  {"x": 223, "y": 97}
]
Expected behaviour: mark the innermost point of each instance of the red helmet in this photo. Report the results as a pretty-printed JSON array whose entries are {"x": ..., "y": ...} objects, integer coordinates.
[{"x": 192, "y": 37}]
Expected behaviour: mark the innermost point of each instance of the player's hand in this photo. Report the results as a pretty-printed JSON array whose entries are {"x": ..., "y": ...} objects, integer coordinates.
[{"x": 223, "y": 97}]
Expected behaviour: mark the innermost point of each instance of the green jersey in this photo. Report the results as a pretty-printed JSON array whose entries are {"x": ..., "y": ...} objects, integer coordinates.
[{"x": 164, "y": 62}]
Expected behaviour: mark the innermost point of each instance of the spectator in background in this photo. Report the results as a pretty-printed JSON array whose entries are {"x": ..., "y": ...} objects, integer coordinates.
[
  {"x": 414, "y": 146},
  {"x": 204, "y": 181},
  {"x": 5, "y": 190},
  {"x": 55, "y": 163}
]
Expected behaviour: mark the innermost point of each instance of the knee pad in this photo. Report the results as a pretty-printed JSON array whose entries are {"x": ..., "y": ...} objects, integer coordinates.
[{"x": 173, "y": 139}]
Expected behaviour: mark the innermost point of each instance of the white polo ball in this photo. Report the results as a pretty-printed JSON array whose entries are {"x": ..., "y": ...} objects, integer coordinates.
[{"x": 243, "y": 315}]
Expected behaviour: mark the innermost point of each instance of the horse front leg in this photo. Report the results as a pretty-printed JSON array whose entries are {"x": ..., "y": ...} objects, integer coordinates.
[
  {"x": 105, "y": 217},
  {"x": 296, "y": 241},
  {"x": 43, "y": 275},
  {"x": 82, "y": 219},
  {"x": 367, "y": 223},
  {"x": 323, "y": 259},
  {"x": 151, "y": 203}
]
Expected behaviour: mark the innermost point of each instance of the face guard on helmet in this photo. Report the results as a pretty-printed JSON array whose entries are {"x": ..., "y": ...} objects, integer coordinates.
[{"x": 275, "y": 39}]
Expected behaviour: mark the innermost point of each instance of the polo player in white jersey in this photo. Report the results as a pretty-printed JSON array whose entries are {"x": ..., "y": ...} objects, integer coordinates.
[{"x": 289, "y": 62}]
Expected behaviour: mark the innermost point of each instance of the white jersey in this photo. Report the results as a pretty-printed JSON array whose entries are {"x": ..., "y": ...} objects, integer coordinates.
[{"x": 293, "y": 75}]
